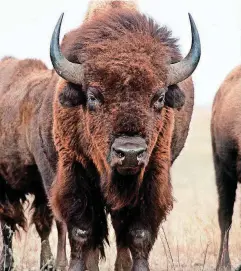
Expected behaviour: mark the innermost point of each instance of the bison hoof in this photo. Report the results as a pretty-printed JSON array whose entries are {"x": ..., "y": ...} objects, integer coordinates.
[
  {"x": 226, "y": 268},
  {"x": 61, "y": 265},
  {"x": 48, "y": 266},
  {"x": 224, "y": 264},
  {"x": 61, "y": 268},
  {"x": 140, "y": 265},
  {"x": 77, "y": 265},
  {"x": 6, "y": 268}
]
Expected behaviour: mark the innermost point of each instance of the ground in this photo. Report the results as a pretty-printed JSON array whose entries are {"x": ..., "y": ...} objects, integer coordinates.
[{"x": 192, "y": 232}]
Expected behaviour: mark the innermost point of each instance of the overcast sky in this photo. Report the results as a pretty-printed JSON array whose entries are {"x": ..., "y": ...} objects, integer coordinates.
[{"x": 26, "y": 27}]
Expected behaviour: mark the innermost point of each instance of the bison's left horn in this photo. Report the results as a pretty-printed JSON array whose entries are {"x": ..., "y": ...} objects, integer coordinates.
[
  {"x": 183, "y": 69},
  {"x": 72, "y": 72}
]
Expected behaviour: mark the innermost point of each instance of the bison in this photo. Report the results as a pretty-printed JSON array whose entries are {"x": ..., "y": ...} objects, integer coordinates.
[
  {"x": 226, "y": 144},
  {"x": 27, "y": 165},
  {"x": 98, "y": 134}
]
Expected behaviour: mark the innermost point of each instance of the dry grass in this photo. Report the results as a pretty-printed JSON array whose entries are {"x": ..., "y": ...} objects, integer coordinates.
[{"x": 191, "y": 230}]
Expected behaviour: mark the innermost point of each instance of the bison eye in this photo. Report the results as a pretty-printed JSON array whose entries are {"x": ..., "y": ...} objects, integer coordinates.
[
  {"x": 91, "y": 98},
  {"x": 159, "y": 100},
  {"x": 92, "y": 101}
]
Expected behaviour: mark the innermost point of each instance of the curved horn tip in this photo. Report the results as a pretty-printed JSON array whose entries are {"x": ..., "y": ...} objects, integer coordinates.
[
  {"x": 183, "y": 69},
  {"x": 61, "y": 18},
  {"x": 192, "y": 22},
  {"x": 55, "y": 36},
  {"x": 193, "y": 27},
  {"x": 59, "y": 23},
  {"x": 195, "y": 36},
  {"x": 190, "y": 16},
  {"x": 71, "y": 72}
]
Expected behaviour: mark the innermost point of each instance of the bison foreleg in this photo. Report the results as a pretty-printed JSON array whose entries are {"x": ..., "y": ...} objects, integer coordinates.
[
  {"x": 140, "y": 246},
  {"x": 42, "y": 218},
  {"x": 61, "y": 260},
  {"x": 76, "y": 200},
  {"x": 79, "y": 241}
]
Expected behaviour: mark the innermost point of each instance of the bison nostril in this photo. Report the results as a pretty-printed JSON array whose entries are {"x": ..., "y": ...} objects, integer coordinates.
[
  {"x": 141, "y": 154},
  {"x": 119, "y": 154}
]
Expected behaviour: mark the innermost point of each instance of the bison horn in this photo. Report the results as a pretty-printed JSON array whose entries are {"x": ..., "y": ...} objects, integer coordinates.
[
  {"x": 183, "y": 69},
  {"x": 72, "y": 72}
]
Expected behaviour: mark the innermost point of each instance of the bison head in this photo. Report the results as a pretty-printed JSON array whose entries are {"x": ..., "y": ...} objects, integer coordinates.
[{"x": 122, "y": 71}]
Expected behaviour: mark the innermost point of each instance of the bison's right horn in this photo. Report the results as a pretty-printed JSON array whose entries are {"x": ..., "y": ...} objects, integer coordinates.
[
  {"x": 183, "y": 69},
  {"x": 72, "y": 72}
]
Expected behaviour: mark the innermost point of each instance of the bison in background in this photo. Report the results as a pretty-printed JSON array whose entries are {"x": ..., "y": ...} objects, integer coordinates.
[
  {"x": 100, "y": 139},
  {"x": 27, "y": 164},
  {"x": 226, "y": 145}
]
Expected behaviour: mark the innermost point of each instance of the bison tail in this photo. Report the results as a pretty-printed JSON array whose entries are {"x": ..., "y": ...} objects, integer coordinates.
[{"x": 96, "y": 6}]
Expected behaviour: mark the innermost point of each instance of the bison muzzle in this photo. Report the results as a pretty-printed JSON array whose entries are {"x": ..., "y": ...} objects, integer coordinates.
[{"x": 128, "y": 155}]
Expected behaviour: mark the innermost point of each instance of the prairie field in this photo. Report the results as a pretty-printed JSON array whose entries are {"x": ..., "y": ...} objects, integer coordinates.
[{"x": 189, "y": 239}]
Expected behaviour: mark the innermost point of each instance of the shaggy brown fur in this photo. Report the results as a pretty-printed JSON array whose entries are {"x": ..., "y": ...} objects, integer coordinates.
[
  {"x": 226, "y": 143},
  {"x": 131, "y": 53}
]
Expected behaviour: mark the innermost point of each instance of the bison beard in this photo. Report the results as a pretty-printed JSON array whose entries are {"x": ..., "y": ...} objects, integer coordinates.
[{"x": 121, "y": 191}]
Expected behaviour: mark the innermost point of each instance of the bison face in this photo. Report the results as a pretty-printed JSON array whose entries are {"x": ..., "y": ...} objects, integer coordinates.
[
  {"x": 124, "y": 116},
  {"x": 122, "y": 121}
]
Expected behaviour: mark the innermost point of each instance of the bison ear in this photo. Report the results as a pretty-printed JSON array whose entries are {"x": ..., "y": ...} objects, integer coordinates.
[
  {"x": 175, "y": 97},
  {"x": 71, "y": 95}
]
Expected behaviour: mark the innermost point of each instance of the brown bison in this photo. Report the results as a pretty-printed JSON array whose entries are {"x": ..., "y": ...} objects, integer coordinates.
[
  {"x": 98, "y": 135},
  {"x": 226, "y": 145},
  {"x": 27, "y": 164}
]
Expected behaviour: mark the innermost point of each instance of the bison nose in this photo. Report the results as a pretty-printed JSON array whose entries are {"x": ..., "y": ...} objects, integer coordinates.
[
  {"x": 129, "y": 156},
  {"x": 129, "y": 152}
]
